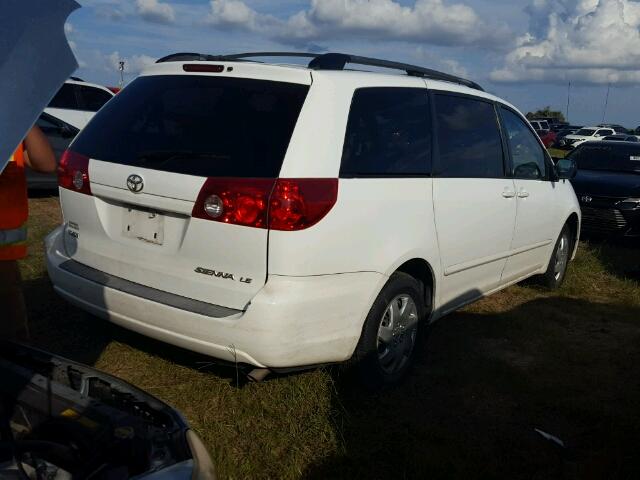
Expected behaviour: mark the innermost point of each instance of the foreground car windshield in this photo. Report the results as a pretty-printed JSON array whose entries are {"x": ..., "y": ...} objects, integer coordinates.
[
  {"x": 618, "y": 158},
  {"x": 586, "y": 132}
]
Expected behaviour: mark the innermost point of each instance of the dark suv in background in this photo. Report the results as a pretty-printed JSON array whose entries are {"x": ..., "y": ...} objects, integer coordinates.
[{"x": 607, "y": 185}]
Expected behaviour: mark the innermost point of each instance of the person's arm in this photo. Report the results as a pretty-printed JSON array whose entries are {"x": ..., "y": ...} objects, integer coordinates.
[{"x": 38, "y": 154}]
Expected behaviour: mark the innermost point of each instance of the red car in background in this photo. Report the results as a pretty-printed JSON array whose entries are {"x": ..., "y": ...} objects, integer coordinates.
[{"x": 544, "y": 131}]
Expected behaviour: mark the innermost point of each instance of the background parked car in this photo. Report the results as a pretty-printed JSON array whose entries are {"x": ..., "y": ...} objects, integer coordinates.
[
  {"x": 615, "y": 126},
  {"x": 543, "y": 130},
  {"x": 621, "y": 137},
  {"x": 60, "y": 134},
  {"x": 607, "y": 185},
  {"x": 77, "y": 101},
  {"x": 561, "y": 134},
  {"x": 587, "y": 134}
]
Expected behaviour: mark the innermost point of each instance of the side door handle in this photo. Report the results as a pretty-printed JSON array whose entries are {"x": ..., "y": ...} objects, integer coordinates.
[
  {"x": 522, "y": 193},
  {"x": 508, "y": 193}
]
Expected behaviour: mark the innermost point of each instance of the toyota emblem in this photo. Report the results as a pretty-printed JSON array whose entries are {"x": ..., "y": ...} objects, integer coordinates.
[
  {"x": 135, "y": 183},
  {"x": 586, "y": 199}
]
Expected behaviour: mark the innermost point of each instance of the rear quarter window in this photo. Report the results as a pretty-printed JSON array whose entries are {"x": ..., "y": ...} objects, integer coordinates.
[
  {"x": 92, "y": 99},
  {"x": 388, "y": 133},
  {"x": 197, "y": 125},
  {"x": 65, "y": 98}
]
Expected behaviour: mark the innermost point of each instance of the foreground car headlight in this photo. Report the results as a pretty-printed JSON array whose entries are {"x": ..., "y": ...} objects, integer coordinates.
[{"x": 629, "y": 204}]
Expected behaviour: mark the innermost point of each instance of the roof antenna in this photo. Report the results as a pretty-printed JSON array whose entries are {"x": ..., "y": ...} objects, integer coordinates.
[
  {"x": 606, "y": 102},
  {"x": 121, "y": 68}
]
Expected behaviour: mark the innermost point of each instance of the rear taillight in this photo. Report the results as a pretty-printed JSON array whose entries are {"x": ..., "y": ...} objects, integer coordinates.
[
  {"x": 238, "y": 201},
  {"x": 299, "y": 203},
  {"x": 282, "y": 204},
  {"x": 73, "y": 172}
]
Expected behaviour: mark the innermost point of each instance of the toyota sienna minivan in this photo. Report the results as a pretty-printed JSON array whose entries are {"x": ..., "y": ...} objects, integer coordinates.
[{"x": 286, "y": 216}]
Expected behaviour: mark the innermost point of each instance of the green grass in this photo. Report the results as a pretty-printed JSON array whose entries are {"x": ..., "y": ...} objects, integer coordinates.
[
  {"x": 566, "y": 362},
  {"x": 557, "y": 153}
]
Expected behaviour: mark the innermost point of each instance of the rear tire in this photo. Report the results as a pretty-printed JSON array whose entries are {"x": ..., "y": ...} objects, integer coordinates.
[
  {"x": 557, "y": 269},
  {"x": 387, "y": 346}
]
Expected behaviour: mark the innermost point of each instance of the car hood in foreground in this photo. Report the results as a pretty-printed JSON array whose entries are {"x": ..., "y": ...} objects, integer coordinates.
[{"x": 77, "y": 422}]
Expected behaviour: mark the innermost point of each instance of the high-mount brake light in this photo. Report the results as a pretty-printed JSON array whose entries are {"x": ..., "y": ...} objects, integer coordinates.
[
  {"x": 287, "y": 204},
  {"x": 73, "y": 172},
  {"x": 193, "y": 67}
]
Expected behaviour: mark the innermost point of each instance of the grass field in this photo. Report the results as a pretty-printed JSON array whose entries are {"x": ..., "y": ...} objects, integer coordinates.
[{"x": 565, "y": 362}]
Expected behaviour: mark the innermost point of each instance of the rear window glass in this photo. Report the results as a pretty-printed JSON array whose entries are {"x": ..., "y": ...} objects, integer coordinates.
[
  {"x": 619, "y": 158},
  {"x": 197, "y": 125}
]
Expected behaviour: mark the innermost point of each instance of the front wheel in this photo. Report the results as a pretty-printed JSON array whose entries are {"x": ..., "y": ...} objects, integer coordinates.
[
  {"x": 557, "y": 269},
  {"x": 387, "y": 345}
]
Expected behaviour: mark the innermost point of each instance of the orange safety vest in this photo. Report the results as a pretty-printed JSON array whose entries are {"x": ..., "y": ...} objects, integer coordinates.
[{"x": 14, "y": 208}]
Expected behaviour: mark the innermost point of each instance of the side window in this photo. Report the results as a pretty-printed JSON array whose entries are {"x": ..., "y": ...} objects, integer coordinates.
[
  {"x": 469, "y": 140},
  {"x": 527, "y": 154},
  {"x": 65, "y": 98},
  {"x": 93, "y": 99},
  {"x": 388, "y": 133},
  {"x": 46, "y": 123}
]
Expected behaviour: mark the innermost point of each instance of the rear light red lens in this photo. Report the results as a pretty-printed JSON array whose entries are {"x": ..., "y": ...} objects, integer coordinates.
[
  {"x": 283, "y": 204},
  {"x": 300, "y": 203},
  {"x": 240, "y": 201},
  {"x": 73, "y": 172}
]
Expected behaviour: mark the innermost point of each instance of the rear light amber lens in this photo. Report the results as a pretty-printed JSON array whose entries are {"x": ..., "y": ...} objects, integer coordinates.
[
  {"x": 286, "y": 204},
  {"x": 73, "y": 172}
]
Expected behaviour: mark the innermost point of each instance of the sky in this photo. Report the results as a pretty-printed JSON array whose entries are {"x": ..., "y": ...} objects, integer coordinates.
[{"x": 525, "y": 51}]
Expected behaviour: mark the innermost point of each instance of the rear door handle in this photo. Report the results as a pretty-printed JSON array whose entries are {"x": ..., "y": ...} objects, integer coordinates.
[
  {"x": 506, "y": 193},
  {"x": 522, "y": 193}
]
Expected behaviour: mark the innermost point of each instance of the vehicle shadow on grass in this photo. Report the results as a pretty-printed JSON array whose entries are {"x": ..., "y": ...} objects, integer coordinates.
[
  {"x": 63, "y": 329},
  {"x": 484, "y": 382},
  {"x": 620, "y": 256}
]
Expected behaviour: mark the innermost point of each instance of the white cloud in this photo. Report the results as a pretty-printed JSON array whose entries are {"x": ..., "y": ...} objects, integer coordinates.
[
  {"x": 430, "y": 21},
  {"x": 68, "y": 29},
  {"x": 588, "y": 41},
  {"x": 134, "y": 64},
  {"x": 155, "y": 11}
]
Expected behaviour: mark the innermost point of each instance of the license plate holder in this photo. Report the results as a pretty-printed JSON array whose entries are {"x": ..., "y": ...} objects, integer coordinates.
[{"x": 144, "y": 225}]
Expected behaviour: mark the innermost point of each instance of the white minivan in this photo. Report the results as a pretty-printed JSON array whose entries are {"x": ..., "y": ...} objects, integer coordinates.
[{"x": 283, "y": 216}]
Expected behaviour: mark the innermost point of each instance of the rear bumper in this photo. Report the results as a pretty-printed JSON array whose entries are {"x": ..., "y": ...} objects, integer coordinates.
[{"x": 292, "y": 321}]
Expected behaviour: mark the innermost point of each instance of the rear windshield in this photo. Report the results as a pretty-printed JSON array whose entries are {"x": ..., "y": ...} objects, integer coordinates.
[
  {"x": 196, "y": 125},
  {"x": 618, "y": 158}
]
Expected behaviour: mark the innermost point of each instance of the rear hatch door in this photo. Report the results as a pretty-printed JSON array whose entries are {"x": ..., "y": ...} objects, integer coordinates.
[{"x": 151, "y": 149}]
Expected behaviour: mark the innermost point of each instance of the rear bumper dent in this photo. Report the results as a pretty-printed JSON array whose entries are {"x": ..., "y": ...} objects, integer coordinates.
[{"x": 292, "y": 321}]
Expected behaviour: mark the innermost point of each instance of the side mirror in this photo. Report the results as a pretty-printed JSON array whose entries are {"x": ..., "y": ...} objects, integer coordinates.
[{"x": 566, "y": 168}]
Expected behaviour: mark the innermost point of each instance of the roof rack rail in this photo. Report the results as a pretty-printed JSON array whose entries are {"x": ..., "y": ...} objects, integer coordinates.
[
  {"x": 337, "y": 61},
  {"x": 77, "y": 79},
  {"x": 329, "y": 61}
]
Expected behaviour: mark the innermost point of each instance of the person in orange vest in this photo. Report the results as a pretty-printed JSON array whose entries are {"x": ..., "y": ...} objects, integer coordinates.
[{"x": 34, "y": 152}]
